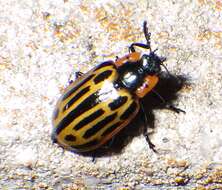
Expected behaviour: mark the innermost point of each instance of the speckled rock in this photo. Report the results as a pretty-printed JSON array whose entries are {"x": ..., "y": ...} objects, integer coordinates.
[{"x": 44, "y": 42}]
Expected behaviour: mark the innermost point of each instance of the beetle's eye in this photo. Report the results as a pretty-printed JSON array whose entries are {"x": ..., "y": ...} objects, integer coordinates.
[
  {"x": 151, "y": 64},
  {"x": 146, "y": 62}
]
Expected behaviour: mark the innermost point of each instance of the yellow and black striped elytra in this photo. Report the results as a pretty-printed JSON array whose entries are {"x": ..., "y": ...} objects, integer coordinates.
[
  {"x": 101, "y": 102},
  {"x": 93, "y": 110}
]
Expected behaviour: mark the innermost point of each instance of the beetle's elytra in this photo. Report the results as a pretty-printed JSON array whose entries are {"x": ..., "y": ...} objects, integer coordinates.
[{"x": 101, "y": 102}]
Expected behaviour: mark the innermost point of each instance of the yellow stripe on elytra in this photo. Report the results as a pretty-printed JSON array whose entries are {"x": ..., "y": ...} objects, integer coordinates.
[
  {"x": 93, "y": 88},
  {"x": 79, "y": 133},
  {"x": 88, "y": 83}
]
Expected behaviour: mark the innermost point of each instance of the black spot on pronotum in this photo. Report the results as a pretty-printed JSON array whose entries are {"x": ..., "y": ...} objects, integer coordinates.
[
  {"x": 70, "y": 138},
  {"x": 130, "y": 110},
  {"x": 70, "y": 92},
  {"x": 118, "y": 102},
  {"x": 89, "y": 119},
  {"x": 111, "y": 128},
  {"x": 102, "y": 76},
  {"x": 84, "y": 106},
  {"x": 94, "y": 129},
  {"x": 76, "y": 97}
]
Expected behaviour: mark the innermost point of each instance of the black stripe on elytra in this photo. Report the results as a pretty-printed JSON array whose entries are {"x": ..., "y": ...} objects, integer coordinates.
[
  {"x": 76, "y": 97},
  {"x": 89, "y": 119},
  {"x": 118, "y": 102},
  {"x": 102, "y": 76},
  {"x": 70, "y": 92},
  {"x": 129, "y": 111},
  {"x": 86, "y": 104},
  {"x": 94, "y": 129},
  {"x": 111, "y": 128},
  {"x": 70, "y": 137},
  {"x": 86, "y": 145},
  {"x": 104, "y": 64}
]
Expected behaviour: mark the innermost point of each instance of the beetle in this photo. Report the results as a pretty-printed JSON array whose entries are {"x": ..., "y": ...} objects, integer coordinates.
[{"x": 101, "y": 102}]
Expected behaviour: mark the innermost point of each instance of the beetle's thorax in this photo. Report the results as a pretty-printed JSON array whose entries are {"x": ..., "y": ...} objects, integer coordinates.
[{"x": 132, "y": 74}]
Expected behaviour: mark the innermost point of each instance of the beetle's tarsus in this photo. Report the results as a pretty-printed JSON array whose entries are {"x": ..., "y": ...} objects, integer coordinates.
[
  {"x": 167, "y": 105},
  {"x": 145, "y": 133},
  {"x": 94, "y": 158},
  {"x": 151, "y": 145},
  {"x": 78, "y": 74},
  {"x": 173, "y": 108}
]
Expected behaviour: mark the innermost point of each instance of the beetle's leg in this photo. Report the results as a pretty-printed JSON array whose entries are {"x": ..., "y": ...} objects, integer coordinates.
[
  {"x": 94, "y": 158},
  {"x": 145, "y": 133},
  {"x": 144, "y": 46},
  {"x": 77, "y": 75},
  {"x": 167, "y": 105},
  {"x": 147, "y": 36}
]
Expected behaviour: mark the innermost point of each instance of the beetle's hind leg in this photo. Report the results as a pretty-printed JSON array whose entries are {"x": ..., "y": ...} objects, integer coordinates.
[{"x": 147, "y": 36}]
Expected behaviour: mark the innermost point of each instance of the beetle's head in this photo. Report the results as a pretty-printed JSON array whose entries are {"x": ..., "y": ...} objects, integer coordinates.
[{"x": 151, "y": 63}]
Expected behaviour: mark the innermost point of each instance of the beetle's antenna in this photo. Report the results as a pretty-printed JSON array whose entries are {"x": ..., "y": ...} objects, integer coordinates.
[
  {"x": 147, "y": 34},
  {"x": 162, "y": 59},
  {"x": 164, "y": 66}
]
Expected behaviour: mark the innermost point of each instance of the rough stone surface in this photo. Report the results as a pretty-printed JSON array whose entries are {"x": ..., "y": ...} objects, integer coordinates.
[{"x": 43, "y": 42}]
